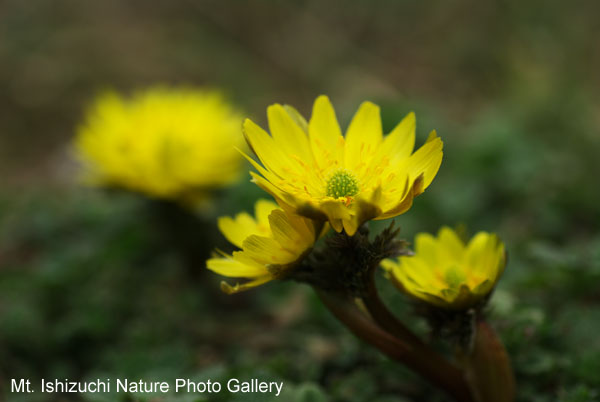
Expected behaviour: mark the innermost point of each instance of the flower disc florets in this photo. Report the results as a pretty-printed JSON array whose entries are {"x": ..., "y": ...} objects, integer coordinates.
[{"x": 342, "y": 184}]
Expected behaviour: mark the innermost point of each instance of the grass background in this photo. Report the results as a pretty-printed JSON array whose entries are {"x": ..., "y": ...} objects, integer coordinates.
[{"x": 93, "y": 285}]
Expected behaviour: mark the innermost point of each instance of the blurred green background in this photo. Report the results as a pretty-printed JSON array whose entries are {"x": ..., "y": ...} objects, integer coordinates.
[{"x": 92, "y": 285}]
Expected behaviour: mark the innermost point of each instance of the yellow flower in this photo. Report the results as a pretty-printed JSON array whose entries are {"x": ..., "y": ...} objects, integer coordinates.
[
  {"x": 164, "y": 142},
  {"x": 272, "y": 243},
  {"x": 345, "y": 180},
  {"x": 447, "y": 273}
]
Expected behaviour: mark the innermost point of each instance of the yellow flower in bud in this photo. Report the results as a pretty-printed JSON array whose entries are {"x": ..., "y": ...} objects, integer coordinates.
[
  {"x": 346, "y": 180},
  {"x": 272, "y": 242},
  {"x": 448, "y": 273},
  {"x": 164, "y": 142}
]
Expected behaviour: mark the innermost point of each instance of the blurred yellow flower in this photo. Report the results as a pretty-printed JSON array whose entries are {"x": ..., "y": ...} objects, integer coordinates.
[
  {"x": 447, "y": 273},
  {"x": 346, "y": 180},
  {"x": 272, "y": 242},
  {"x": 164, "y": 142}
]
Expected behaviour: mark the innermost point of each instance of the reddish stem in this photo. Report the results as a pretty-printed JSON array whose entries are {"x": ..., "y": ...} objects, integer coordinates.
[
  {"x": 421, "y": 359},
  {"x": 384, "y": 318}
]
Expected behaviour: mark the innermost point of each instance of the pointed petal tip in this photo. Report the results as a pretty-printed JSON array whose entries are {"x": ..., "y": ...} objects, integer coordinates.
[
  {"x": 240, "y": 151},
  {"x": 228, "y": 289},
  {"x": 350, "y": 230},
  {"x": 433, "y": 135},
  {"x": 275, "y": 107},
  {"x": 322, "y": 103},
  {"x": 369, "y": 104},
  {"x": 445, "y": 228},
  {"x": 247, "y": 122}
]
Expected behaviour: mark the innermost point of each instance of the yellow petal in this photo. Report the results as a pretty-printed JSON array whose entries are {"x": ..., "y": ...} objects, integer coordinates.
[
  {"x": 233, "y": 268},
  {"x": 483, "y": 288},
  {"x": 364, "y": 135},
  {"x": 403, "y": 202},
  {"x": 326, "y": 139},
  {"x": 350, "y": 226},
  {"x": 416, "y": 275},
  {"x": 239, "y": 287},
  {"x": 336, "y": 212},
  {"x": 285, "y": 234},
  {"x": 310, "y": 230},
  {"x": 451, "y": 244},
  {"x": 272, "y": 177},
  {"x": 400, "y": 142},
  {"x": 263, "y": 209},
  {"x": 427, "y": 160},
  {"x": 236, "y": 231},
  {"x": 389, "y": 264},
  {"x": 486, "y": 257},
  {"x": 426, "y": 246},
  {"x": 481, "y": 254},
  {"x": 289, "y": 138},
  {"x": 280, "y": 195},
  {"x": 363, "y": 209},
  {"x": 297, "y": 117},
  {"x": 266, "y": 150},
  {"x": 267, "y": 251}
]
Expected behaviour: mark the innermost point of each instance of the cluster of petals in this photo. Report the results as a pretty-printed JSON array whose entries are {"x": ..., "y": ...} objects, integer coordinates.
[
  {"x": 271, "y": 242},
  {"x": 345, "y": 180},
  {"x": 169, "y": 143},
  {"x": 446, "y": 272}
]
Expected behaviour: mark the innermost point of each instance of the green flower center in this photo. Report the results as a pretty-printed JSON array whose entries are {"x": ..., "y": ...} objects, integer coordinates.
[
  {"x": 342, "y": 184},
  {"x": 454, "y": 277}
]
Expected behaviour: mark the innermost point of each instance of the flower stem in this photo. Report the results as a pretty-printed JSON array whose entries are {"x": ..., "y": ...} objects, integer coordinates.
[
  {"x": 422, "y": 360},
  {"x": 384, "y": 318}
]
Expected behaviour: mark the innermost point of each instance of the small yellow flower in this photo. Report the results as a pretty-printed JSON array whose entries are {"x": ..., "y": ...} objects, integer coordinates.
[
  {"x": 346, "y": 180},
  {"x": 272, "y": 243},
  {"x": 164, "y": 142},
  {"x": 447, "y": 273}
]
